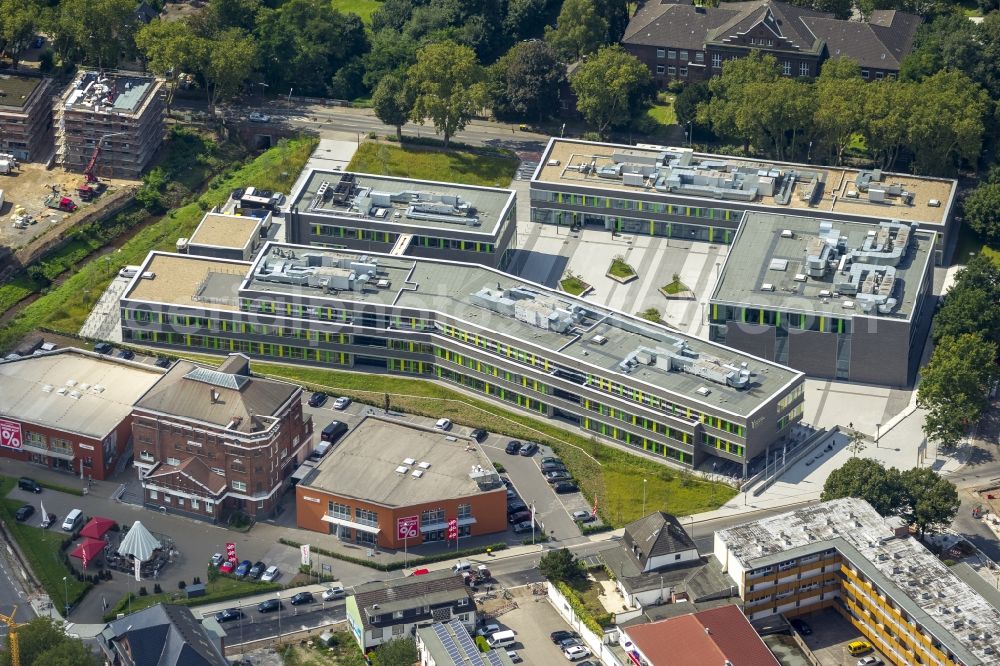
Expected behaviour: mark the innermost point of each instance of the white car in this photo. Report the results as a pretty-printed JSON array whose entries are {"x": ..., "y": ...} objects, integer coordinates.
[
  {"x": 341, "y": 403},
  {"x": 334, "y": 592},
  {"x": 870, "y": 661},
  {"x": 488, "y": 630},
  {"x": 257, "y": 117},
  {"x": 575, "y": 652},
  {"x": 270, "y": 574},
  {"x": 443, "y": 424}
]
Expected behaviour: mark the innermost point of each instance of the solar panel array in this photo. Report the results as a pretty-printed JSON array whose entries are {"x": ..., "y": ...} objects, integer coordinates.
[{"x": 464, "y": 652}]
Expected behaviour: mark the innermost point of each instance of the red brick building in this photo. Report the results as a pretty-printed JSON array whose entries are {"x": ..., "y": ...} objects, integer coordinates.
[
  {"x": 211, "y": 442},
  {"x": 70, "y": 409},
  {"x": 386, "y": 478}
]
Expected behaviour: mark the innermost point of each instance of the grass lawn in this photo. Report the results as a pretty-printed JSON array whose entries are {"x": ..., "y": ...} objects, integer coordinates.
[
  {"x": 674, "y": 287},
  {"x": 220, "y": 589},
  {"x": 659, "y": 117},
  {"x": 456, "y": 166},
  {"x": 343, "y": 652},
  {"x": 604, "y": 473},
  {"x": 16, "y": 290},
  {"x": 66, "y": 307},
  {"x": 573, "y": 285},
  {"x": 589, "y": 594},
  {"x": 969, "y": 242},
  {"x": 41, "y": 548},
  {"x": 621, "y": 269},
  {"x": 651, "y": 314},
  {"x": 363, "y": 8}
]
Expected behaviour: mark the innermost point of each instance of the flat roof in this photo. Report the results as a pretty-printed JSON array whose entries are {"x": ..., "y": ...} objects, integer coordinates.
[
  {"x": 599, "y": 336},
  {"x": 450, "y": 644},
  {"x": 73, "y": 390},
  {"x": 108, "y": 92},
  {"x": 15, "y": 91},
  {"x": 405, "y": 201},
  {"x": 189, "y": 280},
  {"x": 769, "y": 266},
  {"x": 703, "y": 176},
  {"x": 370, "y": 463},
  {"x": 225, "y": 230},
  {"x": 916, "y": 580}
]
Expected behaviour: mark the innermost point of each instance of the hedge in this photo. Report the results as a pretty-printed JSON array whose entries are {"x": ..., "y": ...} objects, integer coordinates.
[
  {"x": 396, "y": 566},
  {"x": 581, "y": 611}
]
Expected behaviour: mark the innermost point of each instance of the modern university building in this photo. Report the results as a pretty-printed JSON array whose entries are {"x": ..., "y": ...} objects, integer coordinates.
[{"x": 609, "y": 373}]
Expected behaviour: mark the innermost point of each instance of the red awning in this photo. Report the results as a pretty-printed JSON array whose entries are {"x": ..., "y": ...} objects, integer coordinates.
[
  {"x": 88, "y": 550},
  {"x": 97, "y": 527}
]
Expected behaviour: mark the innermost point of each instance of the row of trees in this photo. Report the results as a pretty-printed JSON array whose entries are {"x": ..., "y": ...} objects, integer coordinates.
[
  {"x": 920, "y": 495},
  {"x": 955, "y": 384},
  {"x": 43, "y": 642},
  {"x": 940, "y": 120}
]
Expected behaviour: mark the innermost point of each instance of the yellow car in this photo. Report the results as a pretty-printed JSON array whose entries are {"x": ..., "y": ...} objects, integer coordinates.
[{"x": 859, "y": 647}]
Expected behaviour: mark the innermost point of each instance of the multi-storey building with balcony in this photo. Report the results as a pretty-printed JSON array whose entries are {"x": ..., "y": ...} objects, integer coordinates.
[
  {"x": 117, "y": 116},
  {"x": 211, "y": 442},
  {"x": 26, "y": 117},
  {"x": 838, "y": 300},
  {"x": 393, "y": 485},
  {"x": 843, "y": 554},
  {"x": 71, "y": 410},
  {"x": 401, "y": 216},
  {"x": 679, "y": 194},
  {"x": 613, "y": 375}
]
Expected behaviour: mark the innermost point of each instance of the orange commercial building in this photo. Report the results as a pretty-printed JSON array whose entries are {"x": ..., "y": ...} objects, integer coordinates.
[{"x": 392, "y": 484}]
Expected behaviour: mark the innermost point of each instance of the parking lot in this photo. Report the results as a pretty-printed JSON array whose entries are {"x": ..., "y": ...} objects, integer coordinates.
[
  {"x": 533, "y": 620},
  {"x": 830, "y": 635}
]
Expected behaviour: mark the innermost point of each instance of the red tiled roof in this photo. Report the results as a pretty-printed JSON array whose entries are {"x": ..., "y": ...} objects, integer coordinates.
[{"x": 702, "y": 639}]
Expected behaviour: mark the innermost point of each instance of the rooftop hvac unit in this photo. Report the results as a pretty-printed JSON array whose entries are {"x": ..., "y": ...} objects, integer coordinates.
[
  {"x": 848, "y": 304},
  {"x": 553, "y": 163},
  {"x": 934, "y": 203},
  {"x": 703, "y": 391},
  {"x": 767, "y": 286},
  {"x": 787, "y": 233},
  {"x": 402, "y": 469},
  {"x": 599, "y": 340},
  {"x": 824, "y": 293},
  {"x": 417, "y": 473},
  {"x": 408, "y": 461},
  {"x": 851, "y": 194},
  {"x": 800, "y": 277}
]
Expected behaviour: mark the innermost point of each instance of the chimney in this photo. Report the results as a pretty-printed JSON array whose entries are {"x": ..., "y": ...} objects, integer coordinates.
[
  {"x": 211, "y": 395},
  {"x": 708, "y": 632}
]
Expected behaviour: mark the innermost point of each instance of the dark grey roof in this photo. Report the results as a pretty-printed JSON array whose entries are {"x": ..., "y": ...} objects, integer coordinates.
[
  {"x": 654, "y": 535},
  {"x": 163, "y": 635},
  {"x": 881, "y": 45},
  {"x": 243, "y": 404},
  {"x": 676, "y": 25},
  {"x": 434, "y": 588},
  {"x": 786, "y": 22}
]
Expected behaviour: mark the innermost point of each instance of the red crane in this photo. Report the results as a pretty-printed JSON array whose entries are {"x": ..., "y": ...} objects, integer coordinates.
[
  {"x": 88, "y": 173},
  {"x": 85, "y": 190}
]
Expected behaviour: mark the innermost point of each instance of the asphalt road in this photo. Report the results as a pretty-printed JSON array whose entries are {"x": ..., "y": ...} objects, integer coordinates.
[
  {"x": 255, "y": 626},
  {"x": 10, "y": 591}
]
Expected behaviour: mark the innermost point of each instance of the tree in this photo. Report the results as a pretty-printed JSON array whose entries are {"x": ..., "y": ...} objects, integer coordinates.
[
  {"x": 580, "y": 29},
  {"x": 447, "y": 82},
  {"x": 611, "y": 88},
  {"x": 166, "y": 46},
  {"x": 932, "y": 501},
  {"x": 857, "y": 443},
  {"x": 616, "y": 13},
  {"x": 18, "y": 20},
  {"x": 525, "y": 82},
  {"x": 44, "y": 643},
  {"x": 392, "y": 103},
  {"x": 982, "y": 211},
  {"x": 390, "y": 52},
  {"x": 225, "y": 62},
  {"x": 886, "y": 110},
  {"x": 946, "y": 127},
  {"x": 397, "y": 651},
  {"x": 839, "y": 108},
  {"x": 392, "y": 15},
  {"x": 867, "y": 479},
  {"x": 97, "y": 32},
  {"x": 687, "y": 101},
  {"x": 561, "y": 565},
  {"x": 527, "y": 18},
  {"x": 732, "y": 110},
  {"x": 954, "y": 385}
]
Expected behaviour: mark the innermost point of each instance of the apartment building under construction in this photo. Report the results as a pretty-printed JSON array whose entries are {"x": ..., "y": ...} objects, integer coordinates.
[
  {"x": 110, "y": 123},
  {"x": 26, "y": 117}
]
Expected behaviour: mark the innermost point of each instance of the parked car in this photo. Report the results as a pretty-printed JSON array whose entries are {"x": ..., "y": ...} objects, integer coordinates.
[
  {"x": 269, "y": 605},
  {"x": 582, "y": 516},
  {"x": 29, "y": 484},
  {"x": 257, "y": 570},
  {"x": 334, "y": 592},
  {"x": 519, "y": 517},
  {"x": 162, "y": 362},
  {"x": 569, "y": 642},
  {"x": 216, "y": 560},
  {"x": 516, "y": 506},
  {"x": 505, "y": 481},
  {"x": 49, "y": 520},
  {"x": 521, "y": 528},
  {"x": 302, "y": 598},
  {"x": 341, "y": 402},
  {"x": 126, "y": 354},
  {"x": 237, "y": 193},
  {"x": 478, "y": 434},
  {"x": 513, "y": 447},
  {"x": 564, "y": 487},
  {"x": 23, "y": 513},
  {"x": 270, "y": 574},
  {"x": 514, "y": 657},
  {"x": 551, "y": 459},
  {"x": 103, "y": 348},
  {"x": 227, "y": 567},
  {"x": 243, "y": 569},
  {"x": 870, "y": 661},
  {"x": 562, "y": 635},
  {"x": 529, "y": 449},
  {"x": 317, "y": 399},
  {"x": 488, "y": 629},
  {"x": 258, "y": 117},
  {"x": 443, "y": 424},
  {"x": 576, "y": 652},
  {"x": 553, "y": 467},
  {"x": 556, "y": 476},
  {"x": 228, "y": 615},
  {"x": 801, "y": 627}
]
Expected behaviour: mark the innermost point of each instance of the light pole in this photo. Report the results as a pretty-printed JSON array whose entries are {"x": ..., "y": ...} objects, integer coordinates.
[
  {"x": 66, "y": 596},
  {"x": 644, "y": 497},
  {"x": 279, "y": 616},
  {"x": 289, "y": 100},
  {"x": 690, "y": 134},
  {"x": 878, "y": 429}
]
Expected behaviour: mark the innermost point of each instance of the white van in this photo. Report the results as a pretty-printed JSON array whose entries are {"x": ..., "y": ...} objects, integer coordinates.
[
  {"x": 73, "y": 519},
  {"x": 502, "y": 639},
  {"x": 129, "y": 271},
  {"x": 461, "y": 565}
]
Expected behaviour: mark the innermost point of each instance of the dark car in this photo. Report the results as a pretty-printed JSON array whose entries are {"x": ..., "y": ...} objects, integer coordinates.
[
  {"x": 551, "y": 459},
  {"x": 269, "y": 605},
  {"x": 243, "y": 569},
  {"x": 228, "y": 615},
  {"x": 562, "y": 635},
  {"x": 29, "y": 484},
  {"x": 237, "y": 194},
  {"x": 513, "y": 446},
  {"x": 519, "y": 517},
  {"x": 529, "y": 449},
  {"x": 565, "y": 487},
  {"x": 24, "y": 513},
  {"x": 302, "y": 598},
  {"x": 567, "y": 642},
  {"x": 317, "y": 399},
  {"x": 48, "y": 521},
  {"x": 801, "y": 627},
  {"x": 553, "y": 467},
  {"x": 126, "y": 354},
  {"x": 103, "y": 348},
  {"x": 516, "y": 506},
  {"x": 257, "y": 570},
  {"x": 557, "y": 475},
  {"x": 162, "y": 362},
  {"x": 521, "y": 528},
  {"x": 478, "y": 434}
]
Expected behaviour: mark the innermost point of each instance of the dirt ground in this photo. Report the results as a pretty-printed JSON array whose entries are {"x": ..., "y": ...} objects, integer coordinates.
[
  {"x": 29, "y": 186},
  {"x": 174, "y": 11}
]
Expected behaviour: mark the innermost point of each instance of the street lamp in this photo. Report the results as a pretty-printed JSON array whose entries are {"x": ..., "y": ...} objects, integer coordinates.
[
  {"x": 66, "y": 596},
  {"x": 278, "y": 594},
  {"x": 644, "y": 497},
  {"x": 878, "y": 428}
]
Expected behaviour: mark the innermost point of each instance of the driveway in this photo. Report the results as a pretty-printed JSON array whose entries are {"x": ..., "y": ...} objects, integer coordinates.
[{"x": 831, "y": 634}]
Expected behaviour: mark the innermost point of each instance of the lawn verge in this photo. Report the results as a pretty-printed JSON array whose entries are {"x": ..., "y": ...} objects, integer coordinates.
[
  {"x": 574, "y": 286},
  {"x": 218, "y": 588},
  {"x": 432, "y": 163}
]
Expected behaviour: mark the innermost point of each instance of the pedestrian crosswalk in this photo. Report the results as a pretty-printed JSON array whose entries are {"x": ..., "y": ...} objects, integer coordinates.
[{"x": 525, "y": 170}]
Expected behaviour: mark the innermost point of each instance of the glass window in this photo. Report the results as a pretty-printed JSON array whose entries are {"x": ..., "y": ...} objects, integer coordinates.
[
  {"x": 684, "y": 55},
  {"x": 804, "y": 69},
  {"x": 716, "y": 60},
  {"x": 661, "y": 53},
  {"x": 671, "y": 55},
  {"x": 671, "y": 70},
  {"x": 879, "y": 75},
  {"x": 786, "y": 68},
  {"x": 365, "y": 517},
  {"x": 660, "y": 69},
  {"x": 699, "y": 56},
  {"x": 684, "y": 71},
  {"x": 864, "y": 73},
  {"x": 464, "y": 510},
  {"x": 173, "y": 461},
  {"x": 239, "y": 485}
]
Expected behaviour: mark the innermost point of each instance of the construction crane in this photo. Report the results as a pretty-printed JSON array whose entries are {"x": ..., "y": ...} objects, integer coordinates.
[
  {"x": 85, "y": 190},
  {"x": 15, "y": 648}
]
